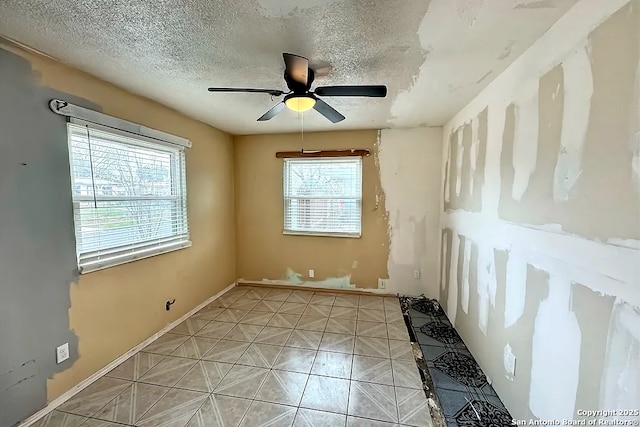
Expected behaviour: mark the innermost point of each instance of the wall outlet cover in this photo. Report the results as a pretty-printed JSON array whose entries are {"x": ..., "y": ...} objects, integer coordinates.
[
  {"x": 382, "y": 283},
  {"x": 62, "y": 353},
  {"x": 416, "y": 274},
  {"x": 312, "y": 273}
]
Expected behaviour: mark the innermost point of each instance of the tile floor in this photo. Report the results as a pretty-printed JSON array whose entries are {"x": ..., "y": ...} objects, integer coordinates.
[{"x": 260, "y": 356}]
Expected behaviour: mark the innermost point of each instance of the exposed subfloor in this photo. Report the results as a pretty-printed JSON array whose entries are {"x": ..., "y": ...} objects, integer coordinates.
[
  {"x": 465, "y": 397},
  {"x": 260, "y": 356}
]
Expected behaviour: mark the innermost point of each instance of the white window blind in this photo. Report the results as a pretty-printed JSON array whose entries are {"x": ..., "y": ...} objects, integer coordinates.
[
  {"x": 323, "y": 196},
  {"x": 129, "y": 196}
]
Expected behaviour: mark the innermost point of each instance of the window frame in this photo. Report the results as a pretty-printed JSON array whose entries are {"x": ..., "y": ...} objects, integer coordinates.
[
  {"x": 89, "y": 261},
  {"x": 285, "y": 199}
]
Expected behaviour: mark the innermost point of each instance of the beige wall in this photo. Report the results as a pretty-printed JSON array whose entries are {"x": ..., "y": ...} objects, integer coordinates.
[
  {"x": 263, "y": 252},
  {"x": 541, "y": 224},
  {"x": 113, "y": 310}
]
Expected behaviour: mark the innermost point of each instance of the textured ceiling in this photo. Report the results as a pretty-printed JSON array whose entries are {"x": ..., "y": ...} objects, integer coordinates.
[{"x": 434, "y": 56}]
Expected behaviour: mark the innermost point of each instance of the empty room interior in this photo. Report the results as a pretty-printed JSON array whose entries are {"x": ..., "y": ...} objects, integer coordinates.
[{"x": 319, "y": 213}]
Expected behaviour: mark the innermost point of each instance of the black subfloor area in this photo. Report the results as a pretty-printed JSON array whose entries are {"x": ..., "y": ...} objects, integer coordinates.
[{"x": 460, "y": 387}]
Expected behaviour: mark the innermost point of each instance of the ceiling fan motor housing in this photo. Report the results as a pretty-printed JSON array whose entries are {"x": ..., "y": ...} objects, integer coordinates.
[{"x": 297, "y": 87}]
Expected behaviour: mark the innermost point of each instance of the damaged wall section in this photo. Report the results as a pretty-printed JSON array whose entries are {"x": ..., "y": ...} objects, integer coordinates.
[{"x": 545, "y": 263}]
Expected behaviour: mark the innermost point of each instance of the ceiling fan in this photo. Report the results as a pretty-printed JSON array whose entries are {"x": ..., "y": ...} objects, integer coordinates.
[{"x": 299, "y": 78}]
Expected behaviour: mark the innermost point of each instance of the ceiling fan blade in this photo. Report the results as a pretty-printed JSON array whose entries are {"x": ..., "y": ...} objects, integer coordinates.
[
  {"x": 296, "y": 67},
  {"x": 274, "y": 111},
  {"x": 273, "y": 92},
  {"x": 328, "y": 111},
  {"x": 378, "y": 91}
]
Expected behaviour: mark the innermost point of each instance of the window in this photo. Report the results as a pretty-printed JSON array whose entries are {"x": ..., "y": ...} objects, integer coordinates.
[
  {"x": 323, "y": 196},
  {"x": 129, "y": 196}
]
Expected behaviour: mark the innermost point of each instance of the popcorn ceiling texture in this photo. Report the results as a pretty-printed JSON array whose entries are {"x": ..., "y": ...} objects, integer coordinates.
[{"x": 433, "y": 55}]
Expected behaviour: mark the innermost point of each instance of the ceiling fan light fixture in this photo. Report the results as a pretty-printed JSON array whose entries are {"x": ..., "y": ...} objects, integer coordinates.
[{"x": 299, "y": 103}]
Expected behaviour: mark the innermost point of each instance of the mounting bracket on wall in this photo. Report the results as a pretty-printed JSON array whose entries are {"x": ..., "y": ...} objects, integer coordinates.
[
  {"x": 169, "y": 304},
  {"x": 323, "y": 153}
]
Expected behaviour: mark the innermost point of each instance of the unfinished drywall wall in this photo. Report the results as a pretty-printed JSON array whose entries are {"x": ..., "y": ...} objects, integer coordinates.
[
  {"x": 263, "y": 252},
  {"x": 546, "y": 262},
  {"x": 410, "y": 167},
  {"x": 102, "y": 314}
]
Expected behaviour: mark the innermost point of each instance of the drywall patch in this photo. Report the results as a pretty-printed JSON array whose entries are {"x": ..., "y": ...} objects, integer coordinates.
[
  {"x": 34, "y": 177},
  {"x": 578, "y": 88},
  {"x": 452, "y": 297},
  {"x": 555, "y": 354},
  {"x": 465, "y": 276},
  {"x": 410, "y": 162},
  {"x": 516, "y": 288},
  {"x": 620, "y": 388},
  {"x": 525, "y": 139}
]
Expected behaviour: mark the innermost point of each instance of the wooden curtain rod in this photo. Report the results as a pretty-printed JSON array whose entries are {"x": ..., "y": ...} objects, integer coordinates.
[{"x": 322, "y": 153}]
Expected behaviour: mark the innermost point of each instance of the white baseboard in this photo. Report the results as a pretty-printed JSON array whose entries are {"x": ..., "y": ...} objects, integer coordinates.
[{"x": 91, "y": 379}]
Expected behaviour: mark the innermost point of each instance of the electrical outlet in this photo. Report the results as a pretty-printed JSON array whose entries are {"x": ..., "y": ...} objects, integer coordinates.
[
  {"x": 382, "y": 283},
  {"x": 62, "y": 353},
  {"x": 416, "y": 274},
  {"x": 312, "y": 273}
]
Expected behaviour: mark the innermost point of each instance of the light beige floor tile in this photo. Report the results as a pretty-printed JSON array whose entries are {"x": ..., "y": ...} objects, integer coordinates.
[
  {"x": 243, "y": 332},
  {"x": 208, "y": 313},
  {"x": 220, "y": 411},
  {"x": 168, "y": 371},
  {"x": 257, "y": 318},
  {"x": 195, "y": 347},
  {"x": 238, "y": 291},
  {"x": 278, "y": 295},
  {"x": 189, "y": 326},
  {"x": 60, "y": 419},
  {"x": 260, "y": 355},
  {"x": 332, "y": 364},
  {"x": 371, "y": 329},
  {"x": 204, "y": 376},
  {"x": 232, "y": 315},
  {"x": 96, "y": 396},
  {"x": 341, "y": 343},
  {"x": 273, "y": 336},
  {"x": 282, "y": 387},
  {"x": 215, "y": 329},
  {"x": 341, "y": 326},
  {"x": 372, "y": 369},
  {"x": 312, "y": 323},
  {"x": 413, "y": 409},
  {"x": 268, "y": 306},
  {"x": 401, "y": 350},
  {"x": 129, "y": 406},
  {"x": 393, "y": 317},
  {"x": 312, "y": 418},
  {"x": 326, "y": 394},
  {"x": 263, "y": 414},
  {"x": 292, "y": 308},
  {"x": 174, "y": 408},
  {"x": 135, "y": 366},
  {"x": 371, "y": 302},
  {"x": 406, "y": 374},
  {"x": 317, "y": 310},
  {"x": 256, "y": 293},
  {"x": 304, "y": 339},
  {"x": 165, "y": 344},
  {"x": 281, "y": 320},
  {"x": 374, "y": 401},
  {"x": 226, "y": 351},
  {"x": 375, "y": 347},
  {"x": 350, "y": 301},
  {"x": 371, "y": 315},
  {"x": 300, "y": 296},
  {"x": 94, "y": 422},
  {"x": 322, "y": 299},
  {"x": 242, "y": 381},
  {"x": 244, "y": 304},
  {"x": 295, "y": 359},
  {"x": 365, "y": 422},
  {"x": 397, "y": 331},
  {"x": 340, "y": 312}
]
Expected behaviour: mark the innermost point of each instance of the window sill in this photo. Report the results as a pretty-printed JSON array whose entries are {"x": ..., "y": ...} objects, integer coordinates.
[
  {"x": 311, "y": 234},
  {"x": 114, "y": 261}
]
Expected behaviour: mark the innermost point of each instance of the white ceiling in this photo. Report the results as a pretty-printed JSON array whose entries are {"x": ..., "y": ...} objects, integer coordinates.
[{"x": 434, "y": 56}]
